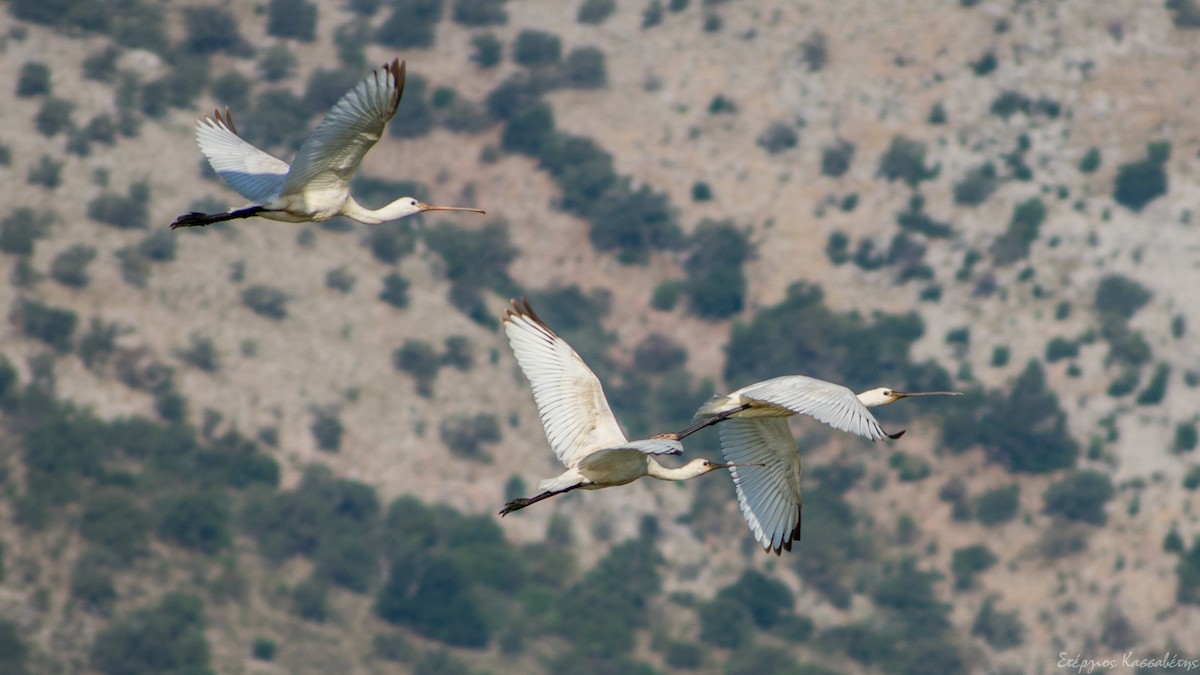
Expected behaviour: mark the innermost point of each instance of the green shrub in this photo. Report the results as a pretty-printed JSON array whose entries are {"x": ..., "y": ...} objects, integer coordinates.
[
  {"x": 969, "y": 561},
  {"x": 465, "y": 435},
  {"x": 480, "y": 12},
  {"x": 33, "y": 79},
  {"x": 432, "y": 597},
  {"x": 195, "y": 520},
  {"x": 1141, "y": 182},
  {"x": 113, "y": 521},
  {"x": 51, "y": 325},
  {"x": 778, "y": 137},
  {"x": 296, "y": 19},
  {"x": 276, "y": 63},
  {"x": 310, "y": 600},
  {"x": 652, "y": 15},
  {"x": 263, "y": 649},
  {"x": 1013, "y": 245},
  {"x": 716, "y": 285},
  {"x": 998, "y": 505},
  {"x": 905, "y": 160},
  {"x": 168, "y": 637},
  {"x": 476, "y": 260},
  {"x": 457, "y": 353},
  {"x": 814, "y": 52},
  {"x": 595, "y": 11},
  {"x": 683, "y": 655},
  {"x": 837, "y": 158},
  {"x": 1090, "y": 161},
  {"x": 1156, "y": 389},
  {"x": 418, "y": 358},
  {"x": 211, "y": 30},
  {"x": 266, "y": 301},
  {"x": 69, "y": 267},
  {"x": 1001, "y": 630},
  {"x": 1059, "y": 348},
  {"x": 488, "y": 50},
  {"x": 126, "y": 212},
  {"x": 92, "y": 582},
  {"x": 1185, "y": 437},
  {"x": 327, "y": 428},
  {"x": 766, "y": 599},
  {"x": 1191, "y": 480},
  {"x": 634, "y": 223},
  {"x": 1080, "y": 496},
  {"x": 977, "y": 185},
  {"x": 395, "y": 290},
  {"x": 584, "y": 69},
  {"x": 20, "y": 230},
  {"x": 537, "y": 48},
  {"x": 54, "y": 117},
  {"x": 340, "y": 279},
  {"x": 985, "y": 65}
]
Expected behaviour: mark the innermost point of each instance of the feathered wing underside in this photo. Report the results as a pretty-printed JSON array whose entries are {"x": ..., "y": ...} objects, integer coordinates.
[
  {"x": 252, "y": 172},
  {"x": 632, "y": 451},
  {"x": 768, "y": 495},
  {"x": 331, "y": 154},
  {"x": 830, "y": 403},
  {"x": 569, "y": 397}
]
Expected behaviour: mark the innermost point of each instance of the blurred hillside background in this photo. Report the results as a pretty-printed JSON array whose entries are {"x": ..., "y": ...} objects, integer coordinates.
[{"x": 268, "y": 448}]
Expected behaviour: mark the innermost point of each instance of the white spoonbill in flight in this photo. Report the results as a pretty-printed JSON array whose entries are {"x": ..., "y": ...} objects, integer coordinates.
[
  {"x": 316, "y": 186},
  {"x": 766, "y": 462},
  {"x": 581, "y": 428}
]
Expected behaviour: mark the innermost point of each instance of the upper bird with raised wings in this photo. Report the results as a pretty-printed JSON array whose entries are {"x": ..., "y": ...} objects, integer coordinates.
[
  {"x": 581, "y": 427},
  {"x": 316, "y": 186}
]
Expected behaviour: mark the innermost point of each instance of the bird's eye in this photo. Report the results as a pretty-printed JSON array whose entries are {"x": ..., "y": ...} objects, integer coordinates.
[
  {"x": 413, "y": 202},
  {"x": 887, "y": 392}
]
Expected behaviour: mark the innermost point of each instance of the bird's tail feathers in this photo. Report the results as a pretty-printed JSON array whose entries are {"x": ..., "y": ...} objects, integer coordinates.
[{"x": 558, "y": 483}]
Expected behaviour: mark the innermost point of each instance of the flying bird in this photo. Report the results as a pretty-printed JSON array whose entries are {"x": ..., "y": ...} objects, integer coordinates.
[
  {"x": 316, "y": 187},
  {"x": 766, "y": 462},
  {"x": 581, "y": 428}
]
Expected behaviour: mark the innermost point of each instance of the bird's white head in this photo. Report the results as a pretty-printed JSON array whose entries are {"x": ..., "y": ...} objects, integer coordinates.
[
  {"x": 885, "y": 395},
  {"x": 408, "y": 206}
]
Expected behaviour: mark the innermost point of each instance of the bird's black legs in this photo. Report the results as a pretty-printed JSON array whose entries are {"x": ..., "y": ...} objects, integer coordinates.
[
  {"x": 522, "y": 502},
  {"x": 706, "y": 422},
  {"x": 197, "y": 219}
]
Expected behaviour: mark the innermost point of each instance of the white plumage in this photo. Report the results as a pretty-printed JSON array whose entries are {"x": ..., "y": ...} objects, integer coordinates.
[
  {"x": 316, "y": 186},
  {"x": 754, "y": 431},
  {"x": 580, "y": 425}
]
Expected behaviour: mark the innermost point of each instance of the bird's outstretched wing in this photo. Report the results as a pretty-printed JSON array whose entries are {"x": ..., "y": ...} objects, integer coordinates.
[
  {"x": 768, "y": 495},
  {"x": 252, "y": 172},
  {"x": 633, "y": 451},
  {"x": 830, "y": 403},
  {"x": 569, "y": 397},
  {"x": 332, "y": 152}
]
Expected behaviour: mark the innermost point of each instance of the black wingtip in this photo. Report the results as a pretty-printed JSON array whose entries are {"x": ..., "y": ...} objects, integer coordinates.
[{"x": 896, "y": 435}]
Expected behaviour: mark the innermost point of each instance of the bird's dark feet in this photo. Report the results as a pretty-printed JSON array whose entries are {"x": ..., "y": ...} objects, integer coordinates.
[
  {"x": 192, "y": 219},
  {"x": 515, "y": 505}
]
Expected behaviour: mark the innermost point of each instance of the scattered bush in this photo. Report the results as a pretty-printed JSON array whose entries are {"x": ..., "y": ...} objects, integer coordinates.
[
  {"x": 595, "y": 11},
  {"x": 213, "y": 29},
  {"x": 836, "y": 158},
  {"x": 54, "y": 117},
  {"x": 1059, "y": 348},
  {"x": 1141, "y": 182},
  {"x": 33, "y": 80},
  {"x": 905, "y": 160},
  {"x": 296, "y": 19},
  {"x": 310, "y": 600},
  {"x": 1156, "y": 389},
  {"x": 116, "y": 523},
  {"x": 584, "y": 69},
  {"x": 22, "y": 228},
  {"x": 778, "y": 137},
  {"x": 1090, "y": 161},
  {"x": 716, "y": 285},
  {"x": 126, "y": 212},
  {"x": 814, "y": 51},
  {"x": 977, "y": 185},
  {"x": 1185, "y": 437},
  {"x": 998, "y": 505},
  {"x": 395, "y": 290},
  {"x": 1013, "y": 245},
  {"x": 418, "y": 359},
  {"x": 652, "y": 16},
  {"x": 195, "y": 520},
  {"x": 166, "y": 637},
  {"x": 69, "y": 267},
  {"x": 969, "y": 561},
  {"x": 1001, "y": 630},
  {"x": 537, "y": 48},
  {"x": 466, "y": 435},
  {"x": 327, "y": 428},
  {"x": 51, "y": 325},
  {"x": 488, "y": 50},
  {"x": 1080, "y": 496},
  {"x": 266, "y": 301},
  {"x": 480, "y": 12}
]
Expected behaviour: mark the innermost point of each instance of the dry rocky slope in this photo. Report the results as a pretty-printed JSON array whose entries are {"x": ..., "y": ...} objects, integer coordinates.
[{"x": 1122, "y": 72}]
